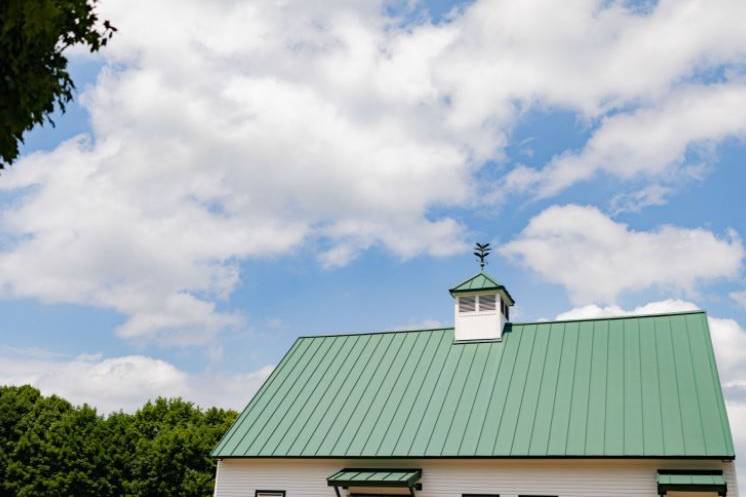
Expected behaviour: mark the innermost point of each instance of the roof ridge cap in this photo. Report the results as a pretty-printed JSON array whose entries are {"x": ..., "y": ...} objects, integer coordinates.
[
  {"x": 611, "y": 318},
  {"x": 382, "y": 332}
]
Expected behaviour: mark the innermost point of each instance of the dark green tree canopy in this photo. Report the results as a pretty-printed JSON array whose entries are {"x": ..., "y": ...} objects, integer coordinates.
[
  {"x": 33, "y": 68},
  {"x": 49, "y": 447}
]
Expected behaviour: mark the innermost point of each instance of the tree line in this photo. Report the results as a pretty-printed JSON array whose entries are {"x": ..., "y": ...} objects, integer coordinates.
[{"x": 48, "y": 447}]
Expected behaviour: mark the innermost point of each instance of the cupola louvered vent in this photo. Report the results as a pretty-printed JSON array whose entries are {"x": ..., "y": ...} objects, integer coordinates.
[
  {"x": 487, "y": 303},
  {"x": 467, "y": 304}
]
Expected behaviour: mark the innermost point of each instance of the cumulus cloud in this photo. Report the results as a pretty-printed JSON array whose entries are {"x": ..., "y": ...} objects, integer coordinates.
[
  {"x": 739, "y": 298},
  {"x": 235, "y": 130},
  {"x": 594, "y": 311},
  {"x": 596, "y": 258},
  {"x": 125, "y": 382},
  {"x": 636, "y": 201},
  {"x": 729, "y": 341},
  {"x": 651, "y": 142}
]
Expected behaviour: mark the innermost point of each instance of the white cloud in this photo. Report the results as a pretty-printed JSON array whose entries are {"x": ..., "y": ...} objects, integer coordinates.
[
  {"x": 739, "y": 298},
  {"x": 124, "y": 382},
  {"x": 596, "y": 258},
  {"x": 729, "y": 341},
  {"x": 651, "y": 142},
  {"x": 593, "y": 311},
  {"x": 636, "y": 201},
  {"x": 235, "y": 130}
]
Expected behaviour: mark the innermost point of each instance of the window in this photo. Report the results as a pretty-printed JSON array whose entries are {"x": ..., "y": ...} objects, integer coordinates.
[
  {"x": 487, "y": 303},
  {"x": 269, "y": 493},
  {"x": 467, "y": 304}
]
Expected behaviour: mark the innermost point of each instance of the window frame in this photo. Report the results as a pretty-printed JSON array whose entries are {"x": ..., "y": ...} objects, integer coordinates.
[{"x": 273, "y": 492}]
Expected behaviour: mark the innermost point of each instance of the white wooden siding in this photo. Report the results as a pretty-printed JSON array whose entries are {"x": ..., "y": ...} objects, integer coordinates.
[{"x": 451, "y": 478}]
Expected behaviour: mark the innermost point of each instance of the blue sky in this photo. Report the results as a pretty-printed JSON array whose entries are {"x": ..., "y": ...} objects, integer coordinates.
[{"x": 232, "y": 192}]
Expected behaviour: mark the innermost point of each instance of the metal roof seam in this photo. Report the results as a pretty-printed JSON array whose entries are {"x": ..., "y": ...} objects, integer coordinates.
[
  {"x": 522, "y": 392},
  {"x": 316, "y": 384},
  {"x": 265, "y": 386},
  {"x": 403, "y": 394},
  {"x": 677, "y": 383},
  {"x": 499, "y": 363},
  {"x": 398, "y": 375},
  {"x": 348, "y": 364},
  {"x": 417, "y": 396},
  {"x": 634, "y": 388},
  {"x": 348, "y": 358},
  {"x": 354, "y": 385},
  {"x": 430, "y": 397},
  {"x": 658, "y": 382},
  {"x": 588, "y": 403},
  {"x": 538, "y": 392},
  {"x": 642, "y": 403},
  {"x": 362, "y": 392},
  {"x": 287, "y": 411},
  {"x": 248, "y": 428},
  {"x": 606, "y": 390},
  {"x": 419, "y": 388},
  {"x": 572, "y": 388},
  {"x": 460, "y": 396},
  {"x": 389, "y": 370},
  {"x": 300, "y": 411},
  {"x": 690, "y": 361},
  {"x": 473, "y": 402},
  {"x": 447, "y": 391},
  {"x": 504, "y": 395},
  {"x": 624, "y": 392},
  {"x": 556, "y": 389}
]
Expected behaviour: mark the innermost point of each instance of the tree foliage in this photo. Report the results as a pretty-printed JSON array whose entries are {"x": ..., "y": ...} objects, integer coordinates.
[
  {"x": 33, "y": 68},
  {"x": 49, "y": 447}
]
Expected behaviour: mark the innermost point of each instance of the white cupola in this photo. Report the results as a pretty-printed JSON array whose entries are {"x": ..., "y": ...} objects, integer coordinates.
[{"x": 481, "y": 307}]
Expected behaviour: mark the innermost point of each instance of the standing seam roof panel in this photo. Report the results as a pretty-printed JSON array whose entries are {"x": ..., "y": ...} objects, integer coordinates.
[
  {"x": 403, "y": 409},
  {"x": 321, "y": 410},
  {"x": 339, "y": 359},
  {"x": 632, "y": 387},
  {"x": 388, "y": 409},
  {"x": 562, "y": 401}
]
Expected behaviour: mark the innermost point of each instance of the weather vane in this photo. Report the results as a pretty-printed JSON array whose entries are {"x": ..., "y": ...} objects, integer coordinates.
[{"x": 482, "y": 250}]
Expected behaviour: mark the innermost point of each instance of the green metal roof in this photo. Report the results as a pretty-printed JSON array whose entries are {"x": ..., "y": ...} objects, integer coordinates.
[
  {"x": 362, "y": 477},
  {"x": 644, "y": 386},
  {"x": 695, "y": 481},
  {"x": 478, "y": 282}
]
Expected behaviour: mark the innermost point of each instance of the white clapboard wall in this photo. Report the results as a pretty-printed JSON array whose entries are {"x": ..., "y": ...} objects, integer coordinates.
[{"x": 451, "y": 478}]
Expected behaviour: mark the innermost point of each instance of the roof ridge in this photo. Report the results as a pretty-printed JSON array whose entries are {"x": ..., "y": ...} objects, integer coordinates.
[
  {"x": 382, "y": 332},
  {"x": 612, "y": 318},
  {"x": 524, "y": 323},
  {"x": 480, "y": 273}
]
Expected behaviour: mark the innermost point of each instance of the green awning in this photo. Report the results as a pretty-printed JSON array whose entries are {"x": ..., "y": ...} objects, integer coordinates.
[
  {"x": 366, "y": 477},
  {"x": 691, "y": 481}
]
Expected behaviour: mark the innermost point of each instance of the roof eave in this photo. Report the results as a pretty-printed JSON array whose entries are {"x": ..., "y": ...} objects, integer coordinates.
[{"x": 499, "y": 288}]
